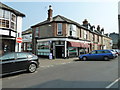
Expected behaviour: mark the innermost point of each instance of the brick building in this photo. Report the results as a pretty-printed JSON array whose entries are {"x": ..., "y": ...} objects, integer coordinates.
[{"x": 66, "y": 38}]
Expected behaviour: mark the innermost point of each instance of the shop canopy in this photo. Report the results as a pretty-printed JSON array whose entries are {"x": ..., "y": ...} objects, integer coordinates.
[{"x": 78, "y": 44}]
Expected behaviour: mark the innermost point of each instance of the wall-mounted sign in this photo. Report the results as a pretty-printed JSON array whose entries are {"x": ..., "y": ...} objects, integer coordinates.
[
  {"x": 19, "y": 40},
  {"x": 4, "y": 32}
]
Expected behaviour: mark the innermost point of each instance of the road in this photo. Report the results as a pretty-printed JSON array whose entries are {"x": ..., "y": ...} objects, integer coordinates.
[{"x": 75, "y": 74}]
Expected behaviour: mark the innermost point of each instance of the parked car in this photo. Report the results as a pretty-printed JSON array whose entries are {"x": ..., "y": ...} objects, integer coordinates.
[
  {"x": 98, "y": 55},
  {"x": 114, "y": 52},
  {"x": 117, "y": 51},
  {"x": 17, "y": 62}
]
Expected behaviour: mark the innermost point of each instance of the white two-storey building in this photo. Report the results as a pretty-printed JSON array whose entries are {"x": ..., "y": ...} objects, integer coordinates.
[{"x": 10, "y": 29}]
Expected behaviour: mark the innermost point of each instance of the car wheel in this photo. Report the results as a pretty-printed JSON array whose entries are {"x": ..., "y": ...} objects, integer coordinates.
[
  {"x": 106, "y": 58},
  {"x": 84, "y": 58},
  {"x": 32, "y": 68}
]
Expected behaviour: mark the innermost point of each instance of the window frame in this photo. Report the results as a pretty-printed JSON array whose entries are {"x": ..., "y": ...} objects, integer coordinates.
[{"x": 59, "y": 28}]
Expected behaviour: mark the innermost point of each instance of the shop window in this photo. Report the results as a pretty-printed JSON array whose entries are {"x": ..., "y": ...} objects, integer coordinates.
[
  {"x": 72, "y": 51},
  {"x": 59, "y": 29},
  {"x": 29, "y": 46},
  {"x": 43, "y": 48}
]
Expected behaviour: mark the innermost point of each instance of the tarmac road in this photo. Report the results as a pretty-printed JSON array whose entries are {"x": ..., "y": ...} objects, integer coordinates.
[{"x": 68, "y": 73}]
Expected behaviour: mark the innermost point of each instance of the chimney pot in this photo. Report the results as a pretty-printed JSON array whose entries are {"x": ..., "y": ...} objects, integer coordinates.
[
  {"x": 50, "y": 13},
  {"x": 85, "y": 23}
]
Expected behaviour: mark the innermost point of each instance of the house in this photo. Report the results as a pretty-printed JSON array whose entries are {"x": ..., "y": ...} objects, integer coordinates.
[
  {"x": 65, "y": 38},
  {"x": 10, "y": 29}
]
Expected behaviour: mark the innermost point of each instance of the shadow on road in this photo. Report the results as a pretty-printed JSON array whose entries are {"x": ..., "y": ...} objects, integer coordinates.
[{"x": 73, "y": 84}]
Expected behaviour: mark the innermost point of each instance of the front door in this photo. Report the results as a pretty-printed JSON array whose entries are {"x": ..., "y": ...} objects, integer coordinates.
[{"x": 59, "y": 51}]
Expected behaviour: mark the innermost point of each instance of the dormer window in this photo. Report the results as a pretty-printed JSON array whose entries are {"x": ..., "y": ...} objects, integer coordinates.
[{"x": 59, "y": 29}]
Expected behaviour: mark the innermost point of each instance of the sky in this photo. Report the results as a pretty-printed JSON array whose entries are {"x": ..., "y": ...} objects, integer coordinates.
[{"x": 100, "y": 13}]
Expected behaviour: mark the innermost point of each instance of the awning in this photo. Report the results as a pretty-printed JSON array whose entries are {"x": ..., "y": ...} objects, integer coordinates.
[
  {"x": 78, "y": 44},
  {"x": 74, "y": 44},
  {"x": 86, "y": 45}
]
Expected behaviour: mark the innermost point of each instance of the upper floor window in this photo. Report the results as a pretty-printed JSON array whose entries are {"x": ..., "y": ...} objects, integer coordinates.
[
  {"x": 98, "y": 38},
  {"x": 80, "y": 33},
  {"x": 73, "y": 30},
  {"x": 37, "y": 32},
  {"x": 59, "y": 31},
  {"x": 7, "y": 15},
  {"x": 4, "y": 14},
  {"x": 85, "y": 35},
  {"x": 4, "y": 23},
  {"x": 13, "y": 17},
  {"x": 93, "y": 37},
  {"x": 1, "y": 13}
]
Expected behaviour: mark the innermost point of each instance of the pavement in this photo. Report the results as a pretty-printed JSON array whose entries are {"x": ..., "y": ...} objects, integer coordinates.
[{"x": 44, "y": 62}]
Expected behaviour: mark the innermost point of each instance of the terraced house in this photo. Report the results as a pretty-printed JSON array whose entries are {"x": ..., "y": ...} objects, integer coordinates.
[
  {"x": 66, "y": 38},
  {"x": 10, "y": 29}
]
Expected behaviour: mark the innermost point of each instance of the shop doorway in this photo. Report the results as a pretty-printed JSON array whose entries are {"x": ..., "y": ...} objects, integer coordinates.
[{"x": 59, "y": 51}]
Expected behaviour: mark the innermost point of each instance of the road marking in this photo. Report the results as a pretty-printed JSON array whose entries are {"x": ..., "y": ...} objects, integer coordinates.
[{"x": 109, "y": 86}]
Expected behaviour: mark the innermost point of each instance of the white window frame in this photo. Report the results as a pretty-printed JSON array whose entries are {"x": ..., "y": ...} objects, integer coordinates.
[
  {"x": 73, "y": 30},
  {"x": 59, "y": 28}
]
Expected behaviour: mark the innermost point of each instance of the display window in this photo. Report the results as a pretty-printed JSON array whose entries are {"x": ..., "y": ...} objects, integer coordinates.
[
  {"x": 43, "y": 48},
  {"x": 73, "y": 51}
]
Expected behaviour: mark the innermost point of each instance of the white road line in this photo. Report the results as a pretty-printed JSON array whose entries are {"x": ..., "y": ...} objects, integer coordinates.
[{"x": 109, "y": 86}]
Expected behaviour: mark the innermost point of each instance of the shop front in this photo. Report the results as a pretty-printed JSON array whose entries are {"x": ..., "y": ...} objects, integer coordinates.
[
  {"x": 61, "y": 48},
  {"x": 8, "y": 45}
]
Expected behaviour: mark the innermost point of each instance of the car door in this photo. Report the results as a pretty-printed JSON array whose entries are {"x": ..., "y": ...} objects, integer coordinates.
[
  {"x": 8, "y": 63},
  {"x": 21, "y": 61},
  {"x": 92, "y": 55},
  {"x": 99, "y": 54}
]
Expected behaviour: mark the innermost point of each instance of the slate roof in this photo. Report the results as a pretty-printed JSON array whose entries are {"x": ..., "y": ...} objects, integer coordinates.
[
  {"x": 3, "y": 6},
  {"x": 58, "y": 18}
]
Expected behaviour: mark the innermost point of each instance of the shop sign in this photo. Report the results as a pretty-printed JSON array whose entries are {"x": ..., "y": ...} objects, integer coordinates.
[{"x": 19, "y": 40}]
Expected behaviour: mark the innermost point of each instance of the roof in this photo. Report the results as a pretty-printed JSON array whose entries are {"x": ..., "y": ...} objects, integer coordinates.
[
  {"x": 28, "y": 31},
  {"x": 58, "y": 18},
  {"x": 3, "y": 6}
]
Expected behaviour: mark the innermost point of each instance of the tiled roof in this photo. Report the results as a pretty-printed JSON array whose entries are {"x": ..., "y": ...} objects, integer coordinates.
[{"x": 3, "y": 6}]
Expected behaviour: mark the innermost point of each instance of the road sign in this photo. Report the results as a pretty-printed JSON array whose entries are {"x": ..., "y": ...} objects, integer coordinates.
[{"x": 19, "y": 40}]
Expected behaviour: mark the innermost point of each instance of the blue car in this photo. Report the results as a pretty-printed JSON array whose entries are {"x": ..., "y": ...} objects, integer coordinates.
[{"x": 98, "y": 55}]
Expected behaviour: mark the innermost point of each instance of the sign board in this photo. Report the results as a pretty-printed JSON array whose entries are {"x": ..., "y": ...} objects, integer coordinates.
[{"x": 19, "y": 40}]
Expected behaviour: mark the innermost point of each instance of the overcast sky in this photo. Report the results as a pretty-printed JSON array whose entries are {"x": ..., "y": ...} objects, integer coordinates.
[{"x": 100, "y": 13}]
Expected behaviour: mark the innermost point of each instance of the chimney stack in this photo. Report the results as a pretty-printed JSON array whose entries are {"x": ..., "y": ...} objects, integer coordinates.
[
  {"x": 98, "y": 28},
  {"x": 50, "y": 13},
  {"x": 85, "y": 23},
  {"x": 102, "y": 31}
]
